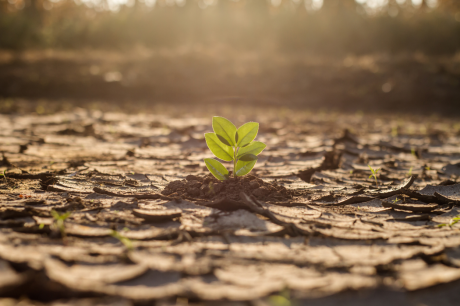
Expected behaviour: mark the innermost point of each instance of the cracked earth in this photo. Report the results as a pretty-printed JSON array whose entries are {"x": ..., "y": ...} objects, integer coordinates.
[{"x": 148, "y": 224}]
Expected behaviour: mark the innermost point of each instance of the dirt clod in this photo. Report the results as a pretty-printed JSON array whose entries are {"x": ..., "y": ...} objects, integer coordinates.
[{"x": 207, "y": 187}]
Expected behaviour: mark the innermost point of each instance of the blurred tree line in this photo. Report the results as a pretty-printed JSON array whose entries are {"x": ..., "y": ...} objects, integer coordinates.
[{"x": 327, "y": 26}]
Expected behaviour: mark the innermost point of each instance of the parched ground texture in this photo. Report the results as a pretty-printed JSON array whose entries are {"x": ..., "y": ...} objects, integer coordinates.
[{"x": 150, "y": 226}]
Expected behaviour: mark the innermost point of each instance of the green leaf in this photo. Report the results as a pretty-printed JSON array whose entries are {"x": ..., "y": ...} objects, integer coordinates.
[
  {"x": 244, "y": 167},
  {"x": 55, "y": 214},
  {"x": 58, "y": 217},
  {"x": 219, "y": 149},
  {"x": 246, "y": 133},
  {"x": 255, "y": 148},
  {"x": 224, "y": 128},
  {"x": 65, "y": 216},
  {"x": 216, "y": 168},
  {"x": 371, "y": 175},
  {"x": 223, "y": 140},
  {"x": 248, "y": 157}
]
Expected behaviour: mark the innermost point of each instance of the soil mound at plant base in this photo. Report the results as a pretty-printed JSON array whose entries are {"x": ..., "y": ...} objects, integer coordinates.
[{"x": 207, "y": 187}]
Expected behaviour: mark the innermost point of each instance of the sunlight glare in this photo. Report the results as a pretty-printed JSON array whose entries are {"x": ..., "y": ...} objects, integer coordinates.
[
  {"x": 375, "y": 4},
  {"x": 313, "y": 5},
  {"x": 432, "y": 3},
  {"x": 276, "y": 2}
]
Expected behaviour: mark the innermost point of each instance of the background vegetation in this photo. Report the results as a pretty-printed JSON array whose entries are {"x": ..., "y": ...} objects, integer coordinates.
[
  {"x": 344, "y": 55},
  {"x": 328, "y": 26}
]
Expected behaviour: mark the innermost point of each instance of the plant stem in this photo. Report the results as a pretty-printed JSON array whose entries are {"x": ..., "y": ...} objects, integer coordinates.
[{"x": 234, "y": 161}]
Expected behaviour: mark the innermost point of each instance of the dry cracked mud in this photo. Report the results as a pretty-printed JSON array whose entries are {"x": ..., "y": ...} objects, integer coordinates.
[{"x": 148, "y": 224}]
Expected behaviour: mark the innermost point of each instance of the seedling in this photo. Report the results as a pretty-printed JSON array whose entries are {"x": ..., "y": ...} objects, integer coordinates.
[
  {"x": 281, "y": 299},
  {"x": 233, "y": 145},
  {"x": 4, "y": 176},
  {"x": 395, "y": 201},
  {"x": 410, "y": 171},
  {"x": 374, "y": 174},
  {"x": 394, "y": 131},
  {"x": 454, "y": 220},
  {"x": 126, "y": 241},
  {"x": 59, "y": 221}
]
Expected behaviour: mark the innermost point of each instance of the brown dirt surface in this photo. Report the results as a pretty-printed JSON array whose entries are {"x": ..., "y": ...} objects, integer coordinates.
[
  {"x": 208, "y": 187},
  {"x": 148, "y": 224}
]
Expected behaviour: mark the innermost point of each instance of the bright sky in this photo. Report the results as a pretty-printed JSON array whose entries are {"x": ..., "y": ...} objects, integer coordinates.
[
  {"x": 310, "y": 4},
  {"x": 380, "y": 3}
]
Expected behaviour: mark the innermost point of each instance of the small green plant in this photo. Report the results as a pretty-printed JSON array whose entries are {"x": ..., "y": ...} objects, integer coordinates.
[
  {"x": 394, "y": 131},
  {"x": 281, "y": 299},
  {"x": 59, "y": 221},
  {"x": 233, "y": 145},
  {"x": 454, "y": 220},
  {"x": 395, "y": 201},
  {"x": 126, "y": 241},
  {"x": 4, "y": 176},
  {"x": 374, "y": 174},
  {"x": 410, "y": 171}
]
